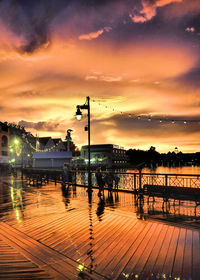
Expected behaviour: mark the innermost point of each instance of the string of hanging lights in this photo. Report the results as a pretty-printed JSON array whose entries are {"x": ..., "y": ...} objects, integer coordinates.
[
  {"x": 13, "y": 125},
  {"x": 41, "y": 150},
  {"x": 146, "y": 117}
]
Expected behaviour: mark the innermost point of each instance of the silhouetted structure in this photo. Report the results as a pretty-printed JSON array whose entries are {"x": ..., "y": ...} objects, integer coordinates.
[{"x": 153, "y": 158}]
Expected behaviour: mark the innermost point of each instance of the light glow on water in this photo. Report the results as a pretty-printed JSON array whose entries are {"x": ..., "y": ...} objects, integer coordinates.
[{"x": 174, "y": 170}]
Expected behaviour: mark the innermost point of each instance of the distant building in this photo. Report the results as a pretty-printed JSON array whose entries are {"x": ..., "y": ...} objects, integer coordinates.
[
  {"x": 106, "y": 155},
  {"x": 56, "y": 145},
  {"x": 59, "y": 145},
  {"x": 4, "y": 143},
  {"x": 44, "y": 143},
  {"x": 49, "y": 144},
  {"x": 17, "y": 145},
  {"x": 51, "y": 159}
]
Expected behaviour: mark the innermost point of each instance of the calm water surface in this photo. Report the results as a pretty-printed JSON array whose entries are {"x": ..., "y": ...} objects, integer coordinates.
[{"x": 173, "y": 170}]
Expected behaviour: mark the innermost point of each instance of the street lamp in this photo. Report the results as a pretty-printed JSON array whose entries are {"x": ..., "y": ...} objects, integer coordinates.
[{"x": 86, "y": 106}]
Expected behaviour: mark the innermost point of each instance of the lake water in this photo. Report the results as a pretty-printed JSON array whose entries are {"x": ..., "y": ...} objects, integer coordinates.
[{"x": 193, "y": 170}]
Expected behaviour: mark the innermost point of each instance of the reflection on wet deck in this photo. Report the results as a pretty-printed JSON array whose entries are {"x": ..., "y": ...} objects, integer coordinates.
[{"x": 110, "y": 237}]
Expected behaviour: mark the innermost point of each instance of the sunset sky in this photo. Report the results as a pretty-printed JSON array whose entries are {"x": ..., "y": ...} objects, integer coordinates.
[{"x": 138, "y": 60}]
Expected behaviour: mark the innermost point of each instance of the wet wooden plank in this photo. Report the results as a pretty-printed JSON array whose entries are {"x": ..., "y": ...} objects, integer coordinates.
[
  {"x": 36, "y": 224},
  {"x": 42, "y": 255},
  {"x": 103, "y": 236},
  {"x": 148, "y": 269},
  {"x": 133, "y": 251},
  {"x": 56, "y": 223},
  {"x": 25, "y": 275},
  {"x": 196, "y": 256},
  {"x": 25, "y": 242},
  {"x": 61, "y": 231},
  {"x": 82, "y": 273},
  {"x": 159, "y": 263},
  {"x": 178, "y": 261},
  {"x": 14, "y": 265},
  {"x": 98, "y": 232},
  {"x": 73, "y": 231},
  {"x": 103, "y": 251},
  {"x": 121, "y": 255},
  {"x": 106, "y": 258},
  {"x": 139, "y": 252},
  {"x": 21, "y": 247},
  {"x": 62, "y": 241},
  {"x": 187, "y": 260},
  {"x": 138, "y": 268},
  {"x": 168, "y": 265}
]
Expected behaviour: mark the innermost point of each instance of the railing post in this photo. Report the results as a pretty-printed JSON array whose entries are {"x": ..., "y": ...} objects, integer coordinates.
[
  {"x": 22, "y": 173},
  {"x": 140, "y": 180},
  {"x": 75, "y": 171},
  {"x": 166, "y": 177},
  {"x": 134, "y": 183}
]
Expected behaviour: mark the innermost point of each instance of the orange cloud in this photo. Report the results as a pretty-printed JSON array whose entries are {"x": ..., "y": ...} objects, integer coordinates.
[
  {"x": 92, "y": 35},
  {"x": 103, "y": 78},
  {"x": 148, "y": 10}
]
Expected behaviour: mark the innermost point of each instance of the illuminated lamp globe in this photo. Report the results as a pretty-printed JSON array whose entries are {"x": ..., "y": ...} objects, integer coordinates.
[{"x": 78, "y": 114}]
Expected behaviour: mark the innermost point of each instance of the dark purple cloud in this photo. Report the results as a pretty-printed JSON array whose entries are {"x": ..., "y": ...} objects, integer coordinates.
[
  {"x": 40, "y": 126},
  {"x": 155, "y": 126},
  {"x": 192, "y": 78},
  {"x": 35, "y": 21},
  {"x": 32, "y": 20}
]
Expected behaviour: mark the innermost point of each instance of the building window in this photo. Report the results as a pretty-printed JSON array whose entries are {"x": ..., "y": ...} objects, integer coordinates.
[
  {"x": 4, "y": 141},
  {"x": 4, "y": 145}
]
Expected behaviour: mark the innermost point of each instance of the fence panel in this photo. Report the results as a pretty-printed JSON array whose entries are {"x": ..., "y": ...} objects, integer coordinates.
[{"x": 133, "y": 181}]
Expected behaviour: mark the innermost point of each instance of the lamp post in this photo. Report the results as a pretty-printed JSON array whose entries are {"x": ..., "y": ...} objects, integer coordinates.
[
  {"x": 22, "y": 151},
  {"x": 17, "y": 151},
  {"x": 87, "y": 128}
]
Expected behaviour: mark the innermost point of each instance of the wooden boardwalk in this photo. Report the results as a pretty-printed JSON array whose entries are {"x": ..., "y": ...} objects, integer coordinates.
[
  {"x": 13, "y": 265},
  {"x": 64, "y": 237},
  {"x": 33, "y": 260}
]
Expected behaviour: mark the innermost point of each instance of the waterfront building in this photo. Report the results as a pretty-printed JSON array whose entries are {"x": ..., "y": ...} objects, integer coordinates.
[
  {"x": 53, "y": 153},
  {"x": 51, "y": 159},
  {"x": 105, "y": 155},
  {"x": 4, "y": 143}
]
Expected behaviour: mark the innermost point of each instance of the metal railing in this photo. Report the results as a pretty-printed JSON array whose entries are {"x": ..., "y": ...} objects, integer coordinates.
[
  {"x": 136, "y": 181},
  {"x": 128, "y": 181}
]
